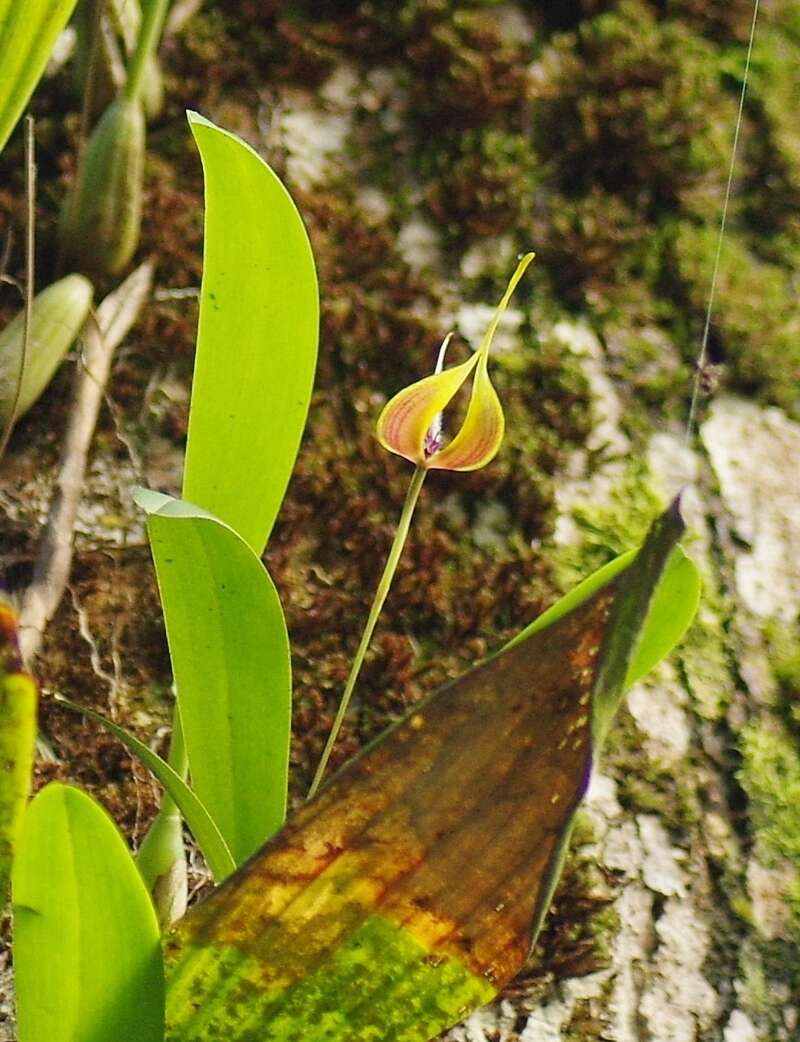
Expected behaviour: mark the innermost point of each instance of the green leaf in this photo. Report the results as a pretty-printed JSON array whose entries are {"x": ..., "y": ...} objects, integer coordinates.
[
  {"x": 87, "y": 953},
  {"x": 230, "y": 657},
  {"x": 18, "y": 698},
  {"x": 59, "y": 313},
  {"x": 257, "y": 340},
  {"x": 28, "y": 30},
  {"x": 671, "y": 611},
  {"x": 410, "y": 890},
  {"x": 209, "y": 839}
]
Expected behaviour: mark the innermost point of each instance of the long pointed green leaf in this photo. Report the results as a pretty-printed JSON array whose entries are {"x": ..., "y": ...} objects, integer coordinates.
[
  {"x": 28, "y": 30},
  {"x": 410, "y": 890},
  {"x": 230, "y": 656},
  {"x": 209, "y": 838},
  {"x": 18, "y": 698},
  {"x": 87, "y": 955},
  {"x": 257, "y": 340}
]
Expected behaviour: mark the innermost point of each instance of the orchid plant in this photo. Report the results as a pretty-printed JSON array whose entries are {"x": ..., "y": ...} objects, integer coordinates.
[{"x": 360, "y": 892}]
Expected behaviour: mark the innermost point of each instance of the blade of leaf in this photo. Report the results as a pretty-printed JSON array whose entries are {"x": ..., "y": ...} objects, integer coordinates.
[
  {"x": 639, "y": 583},
  {"x": 28, "y": 30},
  {"x": 18, "y": 699},
  {"x": 87, "y": 958},
  {"x": 624, "y": 650},
  {"x": 257, "y": 339},
  {"x": 230, "y": 657},
  {"x": 410, "y": 890},
  {"x": 210, "y": 840},
  {"x": 671, "y": 611}
]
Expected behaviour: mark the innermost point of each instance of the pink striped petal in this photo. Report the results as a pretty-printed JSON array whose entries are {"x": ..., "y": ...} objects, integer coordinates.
[
  {"x": 481, "y": 434},
  {"x": 406, "y": 418}
]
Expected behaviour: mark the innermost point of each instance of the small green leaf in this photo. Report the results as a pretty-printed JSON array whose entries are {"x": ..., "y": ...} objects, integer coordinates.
[
  {"x": 671, "y": 611},
  {"x": 87, "y": 952},
  {"x": 209, "y": 839},
  {"x": 28, "y": 30},
  {"x": 257, "y": 340},
  {"x": 58, "y": 315},
  {"x": 230, "y": 657}
]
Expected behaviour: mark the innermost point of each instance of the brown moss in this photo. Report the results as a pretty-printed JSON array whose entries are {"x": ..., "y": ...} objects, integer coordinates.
[
  {"x": 719, "y": 19},
  {"x": 626, "y": 103},
  {"x": 593, "y": 243},
  {"x": 482, "y": 184}
]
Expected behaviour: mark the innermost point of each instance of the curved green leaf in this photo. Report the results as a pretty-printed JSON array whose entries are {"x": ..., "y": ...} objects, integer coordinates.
[
  {"x": 256, "y": 342},
  {"x": 209, "y": 838},
  {"x": 672, "y": 609},
  {"x": 670, "y": 614},
  {"x": 230, "y": 657},
  {"x": 87, "y": 951},
  {"x": 28, "y": 30}
]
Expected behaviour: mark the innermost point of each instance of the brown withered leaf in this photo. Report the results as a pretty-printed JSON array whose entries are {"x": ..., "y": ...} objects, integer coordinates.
[{"x": 411, "y": 889}]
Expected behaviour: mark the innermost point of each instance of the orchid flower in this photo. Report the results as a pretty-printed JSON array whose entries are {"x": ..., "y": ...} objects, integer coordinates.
[
  {"x": 411, "y": 426},
  {"x": 410, "y": 423}
]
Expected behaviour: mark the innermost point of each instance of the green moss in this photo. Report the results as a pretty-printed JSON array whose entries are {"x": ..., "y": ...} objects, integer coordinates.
[
  {"x": 647, "y": 786},
  {"x": 719, "y": 19},
  {"x": 773, "y": 148},
  {"x": 632, "y": 104},
  {"x": 646, "y": 365},
  {"x": 480, "y": 183},
  {"x": 770, "y": 775},
  {"x": 608, "y": 529},
  {"x": 705, "y": 659},
  {"x": 783, "y": 641},
  {"x": 770, "y": 979},
  {"x": 756, "y": 989},
  {"x": 592, "y": 245},
  {"x": 756, "y": 327}
]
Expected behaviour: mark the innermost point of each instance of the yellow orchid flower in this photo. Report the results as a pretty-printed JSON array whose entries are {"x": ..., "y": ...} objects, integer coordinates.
[
  {"x": 409, "y": 422},
  {"x": 411, "y": 426}
]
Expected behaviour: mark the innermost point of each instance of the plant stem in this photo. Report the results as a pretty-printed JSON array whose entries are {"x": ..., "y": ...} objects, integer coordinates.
[
  {"x": 149, "y": 34},
  {"x": 377, "y": 604},
  {"x": 176, "y": 757},
  {"x": 162, "y": 856}
]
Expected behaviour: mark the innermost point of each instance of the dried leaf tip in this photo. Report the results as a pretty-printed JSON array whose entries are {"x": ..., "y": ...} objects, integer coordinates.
[{"x": 410, "y": 423}]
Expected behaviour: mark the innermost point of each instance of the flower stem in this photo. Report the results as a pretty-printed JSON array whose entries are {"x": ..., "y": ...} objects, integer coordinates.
[
  {"x": 377, "y": 604},
  {"x": 153, "y": 16}
]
